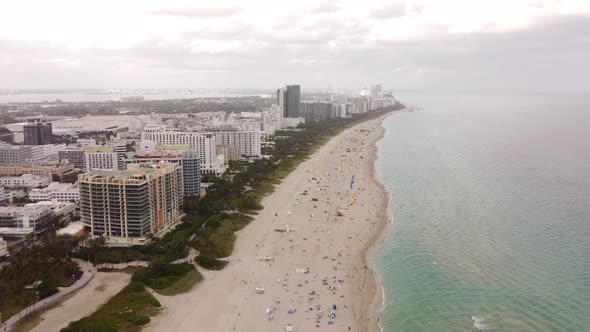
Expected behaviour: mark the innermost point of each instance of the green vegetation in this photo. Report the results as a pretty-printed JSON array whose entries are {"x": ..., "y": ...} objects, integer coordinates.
[
  {"x": 218, "y": 237},
  {"x": 237, "y": 194},
  {"x": 132, "y": 307},
  {"x": 129, "y": 310},
  {"x": 209, "y": 262},
  {"x": 209, "y": 227},
  {"x": 183, "y": 284},
  {"x": 161, "y": 274},
  {"x": 45, "y": 263},
  {"x": 243, "y": 186}
]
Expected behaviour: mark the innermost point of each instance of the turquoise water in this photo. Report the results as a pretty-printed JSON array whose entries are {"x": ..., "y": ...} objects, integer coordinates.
[{"x": 491, "y": 199}]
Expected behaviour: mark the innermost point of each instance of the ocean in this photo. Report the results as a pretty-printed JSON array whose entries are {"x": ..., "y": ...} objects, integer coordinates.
[{"x": 491, "y": 201}]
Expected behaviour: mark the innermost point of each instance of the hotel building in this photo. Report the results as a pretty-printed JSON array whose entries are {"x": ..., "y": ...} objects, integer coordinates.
[
  {"x": 203, "y": 143},
  {"x": 127, "y": 206}
]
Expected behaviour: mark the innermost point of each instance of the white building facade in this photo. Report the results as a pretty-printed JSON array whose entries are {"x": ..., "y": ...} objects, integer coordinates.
[
  {"x": 61, "y": 192},
  {"x": 203, "y": 143},
  {"x": 102, "y": 157},
  {"x": 25, "y": 181},
  {"x": 248, "y": 141}
]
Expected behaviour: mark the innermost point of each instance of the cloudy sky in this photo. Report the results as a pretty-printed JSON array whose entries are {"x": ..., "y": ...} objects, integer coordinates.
[{"x": 527, "y": 45}]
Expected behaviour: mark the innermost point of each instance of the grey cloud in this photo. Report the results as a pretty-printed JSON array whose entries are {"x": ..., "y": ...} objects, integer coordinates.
[
  {"x": 549, "y": 55},
  {"x": 390, "y": 11}
]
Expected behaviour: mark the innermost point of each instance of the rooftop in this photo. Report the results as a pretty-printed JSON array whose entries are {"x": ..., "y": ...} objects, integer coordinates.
[
  {"x": 55, "y": 186},
  {"x": 172, "y": 147},
  {"x": 159, "y": 153},
  {"x": 133, "y": 171},
  {"x": 25, "y": 177},
  {"x": 13, "y": 147},
  {"x": 55, "y": 206},
  {"x": 31, "y": 210},
  {"x": 99, "y": 148},
  {"x": 71, "y": 229}
]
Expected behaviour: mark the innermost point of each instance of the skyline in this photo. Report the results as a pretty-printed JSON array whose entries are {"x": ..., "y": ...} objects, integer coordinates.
[{"x": 427, "y": 45}]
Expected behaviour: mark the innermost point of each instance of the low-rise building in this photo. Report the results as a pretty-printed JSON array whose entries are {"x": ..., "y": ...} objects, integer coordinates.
[
  {"x": 65, "y": 210},
  {"x": 25, "y": 181},
  {"x": 74, "y": 155},
  {"x": 37, "y": 218},
  {"x": 61, "y": 192},
  {"x": 125, "y": 207},
  {"x": 47, "y": 151},
  {"x": 57, "y": 169},
  {"x": 15, "y": 154}
]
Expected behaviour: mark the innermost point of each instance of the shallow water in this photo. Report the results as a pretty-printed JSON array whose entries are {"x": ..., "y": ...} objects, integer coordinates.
[{"x": 492, "y": 214}]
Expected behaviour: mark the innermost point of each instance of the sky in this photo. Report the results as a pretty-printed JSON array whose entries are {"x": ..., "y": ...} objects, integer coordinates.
[{"x": 496, "y": 45}]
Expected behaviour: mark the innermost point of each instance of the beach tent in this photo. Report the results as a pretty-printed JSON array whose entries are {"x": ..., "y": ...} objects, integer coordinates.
[{"x": 289, "y": 328}]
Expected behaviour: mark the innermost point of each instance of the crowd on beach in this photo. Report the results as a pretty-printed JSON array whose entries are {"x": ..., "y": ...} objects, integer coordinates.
[{"x": 301, "y": 265}]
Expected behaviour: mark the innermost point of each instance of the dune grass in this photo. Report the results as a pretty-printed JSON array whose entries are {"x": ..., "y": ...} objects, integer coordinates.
[{"x": 129, "y": 310}]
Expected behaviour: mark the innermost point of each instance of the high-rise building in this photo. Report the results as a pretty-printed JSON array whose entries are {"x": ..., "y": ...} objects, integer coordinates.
[
  {"x": 229, "y": 152},
  {"x": 247, "y": 141},
  {"x": 289, "y": 98},
  {"x": 203, "y": 143},
  {"x": 321, "y": 111},
  {"x": 191, "y": 173},
  {"x": 188, "y": 161},
  {"x": 121, "y": 150},
  {"x": 38, "y": 133},
  {"x": 102, "y": 157},
  {"x": 375, "y": 90},
  {"x": 127, "y": 206}
]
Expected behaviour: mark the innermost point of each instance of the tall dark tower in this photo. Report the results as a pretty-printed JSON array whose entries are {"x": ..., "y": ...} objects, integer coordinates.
[
  {"x": 38, "y": 133},
  {"x": 293, "y": 101}
]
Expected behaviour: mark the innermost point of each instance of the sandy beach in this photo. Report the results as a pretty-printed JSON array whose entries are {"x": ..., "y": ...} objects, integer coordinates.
[
  {"x": 98, "y": 291},
  {"x": 303, "y": 260}
]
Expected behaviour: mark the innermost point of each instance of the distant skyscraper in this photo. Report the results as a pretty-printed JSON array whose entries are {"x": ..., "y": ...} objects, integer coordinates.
[
  {"x": 38, "y": 133},
  {"x": 376, "y": 90},
  {"x": 289, "y": 98}
]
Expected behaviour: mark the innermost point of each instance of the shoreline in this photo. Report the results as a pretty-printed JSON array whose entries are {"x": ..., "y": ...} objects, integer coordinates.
[
  {"x": 373, "y": 313},
  {"x": 328, "y": 245}
]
